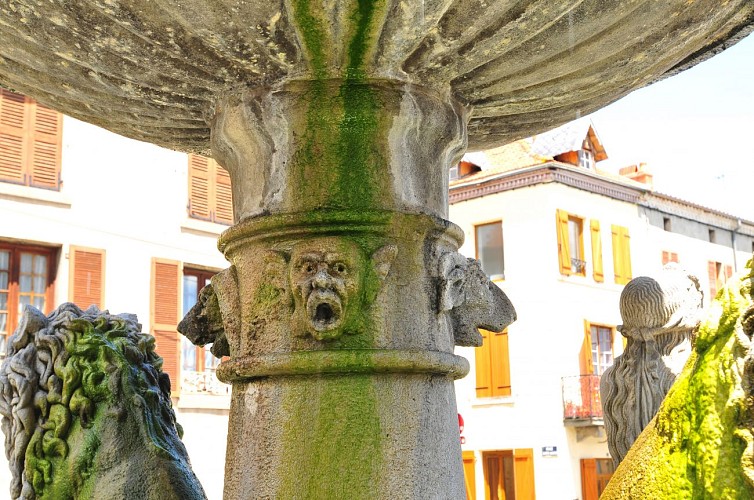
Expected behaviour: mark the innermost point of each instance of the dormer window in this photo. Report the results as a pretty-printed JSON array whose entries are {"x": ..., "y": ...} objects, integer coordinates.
[
  {"x": 586, "y": 154},
  {"x": 586, "y": 159},
  {"x": 453, "y": 173}
]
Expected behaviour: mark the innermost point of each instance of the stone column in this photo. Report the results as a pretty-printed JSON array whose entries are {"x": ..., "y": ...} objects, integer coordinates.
[{"x": 345, "y": 296}]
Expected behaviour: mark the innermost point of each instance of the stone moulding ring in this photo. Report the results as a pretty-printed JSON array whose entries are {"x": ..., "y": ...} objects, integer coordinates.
[{"x": 344, "y": 361}]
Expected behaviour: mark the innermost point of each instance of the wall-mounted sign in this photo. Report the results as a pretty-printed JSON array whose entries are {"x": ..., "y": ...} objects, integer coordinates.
[{"x": 549, "y": 451}]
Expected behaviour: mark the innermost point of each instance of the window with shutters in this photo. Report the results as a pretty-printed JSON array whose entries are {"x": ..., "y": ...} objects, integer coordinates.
[
  {"x": 27, "y": 277},
  {"x": 509, "y": 474},
  {"x": 198, "y": 364},
  {"x": 668, "y": 257},
  {"x": 30, "y": 142},
  {"x": 489, "y": 248},
  {"x": 621, "y": 254},
  {"x": 210, "y": 195},
  {"x": 570, "y": 230},
  {"x": 595, "y": 474},
  {"x": 87, "y": 277},
  {"x": 597, "y": 352},
  {"x": 493, "y": 374},
  {"x": 718, "y": 275}
]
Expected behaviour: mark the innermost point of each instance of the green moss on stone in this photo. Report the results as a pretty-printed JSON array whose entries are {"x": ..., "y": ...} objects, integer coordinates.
[{"x": 692, "y": 448}]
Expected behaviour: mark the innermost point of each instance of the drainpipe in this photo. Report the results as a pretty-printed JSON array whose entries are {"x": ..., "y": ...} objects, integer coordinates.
[{"x": 733, "y": 238}]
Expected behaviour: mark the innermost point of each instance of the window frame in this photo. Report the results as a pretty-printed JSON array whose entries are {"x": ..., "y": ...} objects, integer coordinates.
[
  {"x": 563, "y": 230},
  {"x": 14, "y": 269},
  {"x": 497, "y": 276}
]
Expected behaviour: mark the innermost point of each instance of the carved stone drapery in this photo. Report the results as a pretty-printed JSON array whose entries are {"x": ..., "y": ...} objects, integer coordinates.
[{"x": 660, "y": 315}]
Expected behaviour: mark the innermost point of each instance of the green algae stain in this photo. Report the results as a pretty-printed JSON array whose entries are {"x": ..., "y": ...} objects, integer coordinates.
[
  {"x": 332, "y": 440},
  {"x": 313, "y": 33},
  {"x": 339, "y": 160},
  {"x": 692, "y": 449}
]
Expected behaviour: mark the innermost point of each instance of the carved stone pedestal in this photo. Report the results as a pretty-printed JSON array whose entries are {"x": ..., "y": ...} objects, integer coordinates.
[{"x": 346, "y": 295}]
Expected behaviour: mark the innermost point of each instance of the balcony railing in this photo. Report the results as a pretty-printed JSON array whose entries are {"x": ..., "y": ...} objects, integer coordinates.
[
  {"x": 581, "y": 398},
  {"x": 202, "y": 383},
  {"x": 578, "y": 266}
]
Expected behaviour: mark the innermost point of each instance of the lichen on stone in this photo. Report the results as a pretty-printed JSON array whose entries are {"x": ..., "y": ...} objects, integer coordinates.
[{"x": 701, "y": 444}]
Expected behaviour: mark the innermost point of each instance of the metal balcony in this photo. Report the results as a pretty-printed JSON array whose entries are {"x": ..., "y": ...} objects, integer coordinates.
[
  {"x": 202, "y": 383},
  {"x": 582, "y": 405}
]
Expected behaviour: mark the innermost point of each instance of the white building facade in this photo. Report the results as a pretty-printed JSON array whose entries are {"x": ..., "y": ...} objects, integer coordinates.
[
  {"x": 562, "y": 239},
  {"x": 94, "y": 218}
]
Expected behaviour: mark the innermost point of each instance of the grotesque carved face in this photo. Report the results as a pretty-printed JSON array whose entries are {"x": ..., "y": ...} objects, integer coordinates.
[
  {"x": 325, "y": 278},
  {"x": 333, "y": 282}
]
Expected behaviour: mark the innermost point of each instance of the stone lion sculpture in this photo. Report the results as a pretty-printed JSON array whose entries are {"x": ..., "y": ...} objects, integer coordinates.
[
  {"x": 701, "y": 442},
  {"x": 86, "y": 411}
]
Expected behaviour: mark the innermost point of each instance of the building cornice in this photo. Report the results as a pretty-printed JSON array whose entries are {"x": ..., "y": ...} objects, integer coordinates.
[
  {"x": 543, "y": 174},
  {"x": 692, "y": 211},
  {"x": 593, "y": 182}
]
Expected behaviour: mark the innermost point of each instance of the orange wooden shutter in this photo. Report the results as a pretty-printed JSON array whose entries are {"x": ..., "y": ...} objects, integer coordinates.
[
  {"x": 523, "y": 470},
  {"x": 46, "y": 144},
  {"x": 164, "y": 315},
  {"x": 469, "y": 474},
  {"x": 87, "y": 277},
  {"x": 585, "y": 355},
  {"x": 599, "y": 274},
  {"x": 712, "y": 273},
  {"x": 564, "y": 254},
  {"x": 482, "y": 361},
  {"x": 500, "y": 364},
  {"x": 621, "y": 254},
  {"x": 589, "y": 479},
  {"x": 665, "y": 257},
  {"x": 13, "y": 120},
  {"x": 223, "y": 196},
  {"x": 201, "y": 198},
  {"x": 728, "y": 272},
  {"x": 626, "y": 249}
]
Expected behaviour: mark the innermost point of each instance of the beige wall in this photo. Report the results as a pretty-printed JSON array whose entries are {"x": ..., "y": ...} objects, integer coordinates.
[
  {"x": 129, "y": 198},
  {"x": 545, "y": 341}
]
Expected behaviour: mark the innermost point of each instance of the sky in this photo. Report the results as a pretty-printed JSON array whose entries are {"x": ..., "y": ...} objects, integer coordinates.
[{"x": 694, "y": 130}]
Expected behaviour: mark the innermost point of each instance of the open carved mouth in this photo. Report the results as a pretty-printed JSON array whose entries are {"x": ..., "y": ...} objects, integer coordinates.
[{"x": 324, "y": 310}]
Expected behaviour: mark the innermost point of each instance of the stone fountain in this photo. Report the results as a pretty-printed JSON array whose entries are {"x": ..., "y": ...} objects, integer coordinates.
[{"x": 338, "y": 120}]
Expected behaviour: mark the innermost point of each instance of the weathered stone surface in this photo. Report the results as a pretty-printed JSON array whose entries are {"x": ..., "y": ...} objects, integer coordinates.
[
  {"x": 701, "y": 442},
  {"x": 155, "y": 70},
  {"x": 347, "y": 396},
  {"x": 86, "y": 411},
  {"x": 346, "y": 294},
  {"x": 660, "y": 315}
]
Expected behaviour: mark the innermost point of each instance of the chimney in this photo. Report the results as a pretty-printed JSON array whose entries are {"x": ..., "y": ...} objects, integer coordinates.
[{"x": 638, "y": 173}]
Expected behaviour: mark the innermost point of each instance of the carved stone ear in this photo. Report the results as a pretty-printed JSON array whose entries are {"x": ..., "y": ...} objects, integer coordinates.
[
  {"x": 452, "y": 267},
  {"x": 225, "y": 285},
  {"x": 383, "y": 260}
]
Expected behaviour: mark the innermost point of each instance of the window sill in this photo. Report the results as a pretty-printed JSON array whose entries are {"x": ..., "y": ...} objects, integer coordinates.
[
  {"x": 34, "y": 195},
  {"x": 493, "y": 401},
  {"x": 203, "y": 401},
  {"x": 577, "y": 279},
  {"x": 202, "y": 226}
]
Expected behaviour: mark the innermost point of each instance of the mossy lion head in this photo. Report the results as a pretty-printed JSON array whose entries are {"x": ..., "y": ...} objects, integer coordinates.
[{"x": 86, "y": 411}]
